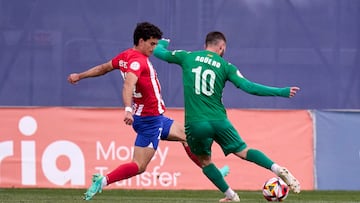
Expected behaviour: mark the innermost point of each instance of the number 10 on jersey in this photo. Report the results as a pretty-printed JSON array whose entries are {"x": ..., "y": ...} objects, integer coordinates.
[{"x": 204, "y": 81}]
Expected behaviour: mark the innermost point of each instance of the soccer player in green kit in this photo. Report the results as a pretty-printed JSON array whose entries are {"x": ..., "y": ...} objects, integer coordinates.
[{"x": 205, "y": 73}]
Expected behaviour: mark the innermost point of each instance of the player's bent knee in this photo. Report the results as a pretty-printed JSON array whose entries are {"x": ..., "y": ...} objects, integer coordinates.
[
  {"x": 142, "y": 169},
  {"x": 243, "y": 153}
]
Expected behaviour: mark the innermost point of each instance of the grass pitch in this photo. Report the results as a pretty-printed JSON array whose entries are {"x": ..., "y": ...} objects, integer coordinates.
[{"x": 165, "y": 196}]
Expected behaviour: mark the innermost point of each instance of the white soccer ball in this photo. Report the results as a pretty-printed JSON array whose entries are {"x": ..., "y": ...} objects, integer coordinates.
[{"x": 275, "y": 190}]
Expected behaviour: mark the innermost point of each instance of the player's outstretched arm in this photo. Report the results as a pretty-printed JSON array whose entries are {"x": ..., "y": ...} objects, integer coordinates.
[
  {"x": 95, "y": 71},
  {"x": 250, "y": 87},
  {"x": 161, "y": 50},
  {"x": 164, "y": 54},
  {"x": 262, "y": 90}
]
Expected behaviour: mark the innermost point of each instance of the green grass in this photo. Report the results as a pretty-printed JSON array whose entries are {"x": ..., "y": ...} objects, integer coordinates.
[{"x": 162, "y": 196}]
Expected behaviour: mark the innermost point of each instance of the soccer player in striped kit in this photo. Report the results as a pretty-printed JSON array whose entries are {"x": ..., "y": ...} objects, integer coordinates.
[{"x": 144, "y": 106}]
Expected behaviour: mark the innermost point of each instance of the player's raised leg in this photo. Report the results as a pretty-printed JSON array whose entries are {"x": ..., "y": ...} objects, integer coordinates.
[
  {"x": 177, "y": 133},
  {"x": 142, "y": 157},
  {"x": 259, "y": 158}
]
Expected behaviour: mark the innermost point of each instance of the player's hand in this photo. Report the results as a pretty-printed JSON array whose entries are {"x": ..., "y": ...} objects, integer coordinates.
[
  {"x": 165, "y": 39},
  {"x": 128, "y": 118},
  {"x": 73, "y": 78},
  {"x": 293, "y": 91}
]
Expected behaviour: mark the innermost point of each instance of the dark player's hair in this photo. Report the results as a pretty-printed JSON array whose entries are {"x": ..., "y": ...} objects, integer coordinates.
[
  {"x": 214, "y": 37},
  {"x": 145, "y": 31}
]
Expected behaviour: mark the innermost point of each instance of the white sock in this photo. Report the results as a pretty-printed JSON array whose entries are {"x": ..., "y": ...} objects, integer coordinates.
[
  {"x": 275, "y": 168},
  {"x": 229, "y": 193},
  {"x": 104, "y": 182}
]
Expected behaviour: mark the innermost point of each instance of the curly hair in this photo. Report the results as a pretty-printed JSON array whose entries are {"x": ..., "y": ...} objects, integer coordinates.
[{"x": 145, "y": 31}]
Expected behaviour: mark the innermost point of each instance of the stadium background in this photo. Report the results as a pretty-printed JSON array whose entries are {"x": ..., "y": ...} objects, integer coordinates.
[{"x": 311, "y": 44}]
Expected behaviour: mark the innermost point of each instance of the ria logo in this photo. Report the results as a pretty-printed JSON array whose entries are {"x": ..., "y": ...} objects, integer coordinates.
[{"x": 35, "y": 163}]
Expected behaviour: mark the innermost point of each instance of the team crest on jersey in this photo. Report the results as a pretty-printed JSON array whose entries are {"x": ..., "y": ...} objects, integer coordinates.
[{"x": 135, "y": 65}]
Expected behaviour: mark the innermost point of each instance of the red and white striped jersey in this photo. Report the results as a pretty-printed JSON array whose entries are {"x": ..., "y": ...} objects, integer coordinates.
[{"x": 147, "y": 99}]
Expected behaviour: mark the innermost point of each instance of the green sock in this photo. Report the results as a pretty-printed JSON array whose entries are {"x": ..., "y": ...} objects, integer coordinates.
[
  {"x": 259, "y": 158},
  {"x": 215, "y": 177}
]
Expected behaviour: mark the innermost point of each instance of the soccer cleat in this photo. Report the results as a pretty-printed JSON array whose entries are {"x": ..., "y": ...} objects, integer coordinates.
[
  {"x": 289, "y": 179},
  {"x": 96, "y": 187},
  {"x": 225, "y": 170},
  {"x": 235, "y": 198}
]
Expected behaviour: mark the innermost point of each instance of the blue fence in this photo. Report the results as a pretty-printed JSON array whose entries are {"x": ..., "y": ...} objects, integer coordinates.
[{"x": 337, "y": 150}]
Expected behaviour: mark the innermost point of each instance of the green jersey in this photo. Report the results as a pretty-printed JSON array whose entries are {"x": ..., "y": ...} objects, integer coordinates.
[{"x": 204, "y": 76}]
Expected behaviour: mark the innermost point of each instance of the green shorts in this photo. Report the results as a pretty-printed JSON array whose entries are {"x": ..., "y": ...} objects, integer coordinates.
[{"x": 201, "y": 135}]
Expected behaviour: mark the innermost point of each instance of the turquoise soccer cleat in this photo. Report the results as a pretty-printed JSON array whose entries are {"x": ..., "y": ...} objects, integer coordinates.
[
  {"x": 96, "y": 187},
  {"x": 225, "y": 170}
]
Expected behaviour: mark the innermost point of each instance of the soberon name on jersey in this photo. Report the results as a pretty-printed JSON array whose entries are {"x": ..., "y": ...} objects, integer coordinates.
[{"x": 208, "y": 60}]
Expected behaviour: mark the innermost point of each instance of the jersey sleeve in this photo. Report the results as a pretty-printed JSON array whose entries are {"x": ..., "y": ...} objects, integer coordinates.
[
  {"x": 115, "y": 62},
  {"x": 250, "y": 87},
  {"x": 164, "y": 54},
  {"x": 124, "y": 65},
  {"x": 134, "y": 66}
]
